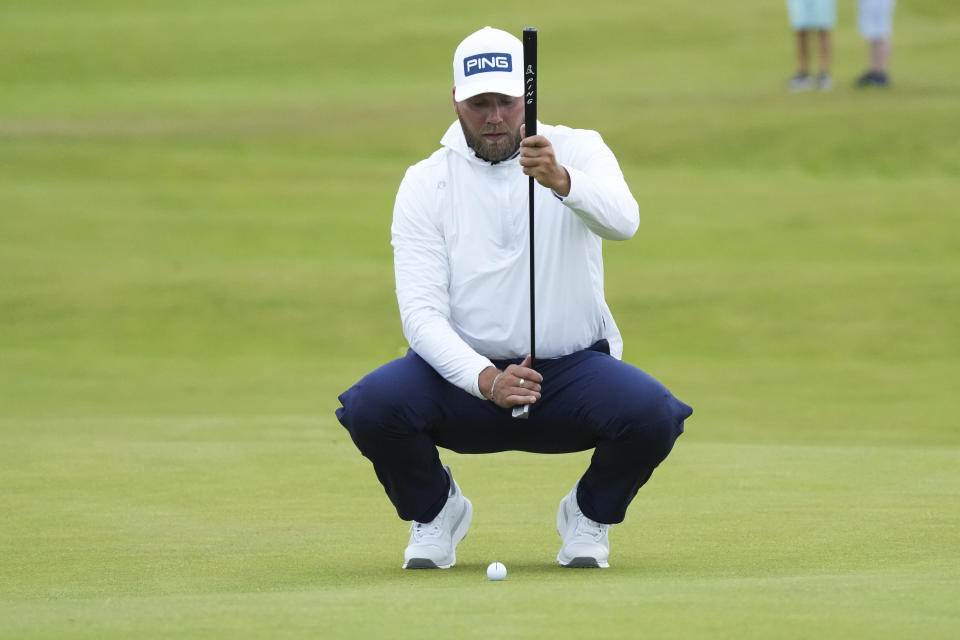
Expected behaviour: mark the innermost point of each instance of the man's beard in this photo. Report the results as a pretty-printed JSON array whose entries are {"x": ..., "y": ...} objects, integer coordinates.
[{"x": 492, "y": 152}]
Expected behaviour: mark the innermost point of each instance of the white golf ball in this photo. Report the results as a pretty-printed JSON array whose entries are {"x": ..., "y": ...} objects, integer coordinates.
[{"x": 496, "y": 571}]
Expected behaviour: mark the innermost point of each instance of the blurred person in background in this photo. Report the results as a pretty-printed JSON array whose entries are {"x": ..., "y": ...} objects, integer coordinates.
[
  {"x": 875, "y": 22},
  {"x": 807, "y": 16}
]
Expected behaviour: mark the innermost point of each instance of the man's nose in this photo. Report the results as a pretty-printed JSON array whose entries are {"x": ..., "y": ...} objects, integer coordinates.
[{"x": 494, "y": 115}]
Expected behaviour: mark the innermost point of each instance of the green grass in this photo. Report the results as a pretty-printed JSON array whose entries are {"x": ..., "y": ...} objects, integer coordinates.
[{"x": 195, "y": 202}]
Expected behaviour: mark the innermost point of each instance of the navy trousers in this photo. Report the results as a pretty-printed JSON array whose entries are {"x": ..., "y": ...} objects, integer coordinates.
[{"x": 400, "y": 413}]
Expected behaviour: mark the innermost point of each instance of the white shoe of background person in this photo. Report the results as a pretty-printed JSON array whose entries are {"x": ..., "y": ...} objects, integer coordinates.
[
  {"x": 585, "y": 542},
  {"x": 433, "y": 545},
  {"x": 802, "y": 81}
]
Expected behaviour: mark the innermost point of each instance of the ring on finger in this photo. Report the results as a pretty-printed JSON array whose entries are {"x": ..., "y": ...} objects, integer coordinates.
[{"x": 522, "y": 382}]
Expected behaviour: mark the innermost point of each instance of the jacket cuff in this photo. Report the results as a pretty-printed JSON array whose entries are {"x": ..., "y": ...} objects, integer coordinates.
[{"x": 572, "y": 199}]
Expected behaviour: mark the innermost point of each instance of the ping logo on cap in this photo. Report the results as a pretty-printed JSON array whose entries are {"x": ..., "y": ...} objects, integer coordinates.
[{"x": 483, "y": 62}]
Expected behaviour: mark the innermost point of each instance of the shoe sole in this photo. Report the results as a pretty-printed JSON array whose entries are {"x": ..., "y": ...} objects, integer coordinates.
[
  {"x": 460, "y": 535},
  {"x": 420, "y": 563},
  {"x": 584, "y": 563}
]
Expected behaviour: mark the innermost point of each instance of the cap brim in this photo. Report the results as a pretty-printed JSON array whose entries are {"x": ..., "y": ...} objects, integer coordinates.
[{"x": 506, "y": 86}]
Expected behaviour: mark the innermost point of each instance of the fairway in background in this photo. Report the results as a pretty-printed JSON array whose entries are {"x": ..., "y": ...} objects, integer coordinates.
[{"x": 195, "y": 202}]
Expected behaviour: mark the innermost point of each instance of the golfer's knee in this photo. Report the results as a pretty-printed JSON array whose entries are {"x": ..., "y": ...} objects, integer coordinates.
[
  {"x": 369, "y": 413},
  {"x": 653, "y": 426}
]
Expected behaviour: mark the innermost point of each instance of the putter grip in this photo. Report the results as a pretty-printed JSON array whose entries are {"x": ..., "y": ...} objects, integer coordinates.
[{"x": 530, "y": 79}]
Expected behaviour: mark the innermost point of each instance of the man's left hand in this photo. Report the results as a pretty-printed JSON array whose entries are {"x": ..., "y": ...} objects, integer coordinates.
[{"x": 538, "y": 161}]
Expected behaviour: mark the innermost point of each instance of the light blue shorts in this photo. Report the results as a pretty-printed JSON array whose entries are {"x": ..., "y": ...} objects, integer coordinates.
[
  {"x": 875, "y": 18},
  {"x": 812, "y": 14}
]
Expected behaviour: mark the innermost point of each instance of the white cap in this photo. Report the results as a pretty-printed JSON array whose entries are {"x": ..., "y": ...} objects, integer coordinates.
[{"x": 488, "y": 61}]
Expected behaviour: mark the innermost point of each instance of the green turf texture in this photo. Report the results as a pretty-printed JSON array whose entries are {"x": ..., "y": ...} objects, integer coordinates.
[{"x": 195, "y": 201}]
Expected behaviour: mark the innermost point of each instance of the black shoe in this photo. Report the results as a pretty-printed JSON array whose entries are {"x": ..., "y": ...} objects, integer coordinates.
[{"x": 873, "y": 79}]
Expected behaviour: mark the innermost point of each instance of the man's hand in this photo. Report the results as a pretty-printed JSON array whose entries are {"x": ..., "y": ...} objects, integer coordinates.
[
  {"x": 538, "y": 160},
  {"x": 516, "y": 385}
]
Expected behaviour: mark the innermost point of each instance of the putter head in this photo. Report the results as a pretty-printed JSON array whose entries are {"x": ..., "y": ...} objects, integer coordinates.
[{"x": 521, "y": 412}]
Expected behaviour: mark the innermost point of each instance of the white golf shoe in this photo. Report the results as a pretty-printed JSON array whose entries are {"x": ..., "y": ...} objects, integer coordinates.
[
  {"x": 433, "y": 545},
  {"x": 585, "y": 542}
]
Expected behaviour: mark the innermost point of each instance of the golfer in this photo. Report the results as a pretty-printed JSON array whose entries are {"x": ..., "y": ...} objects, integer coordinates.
[{"x": 461, "y": 263}]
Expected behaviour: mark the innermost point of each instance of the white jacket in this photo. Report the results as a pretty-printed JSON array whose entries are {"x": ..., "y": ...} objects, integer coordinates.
[{"x": 461, "y": 254}]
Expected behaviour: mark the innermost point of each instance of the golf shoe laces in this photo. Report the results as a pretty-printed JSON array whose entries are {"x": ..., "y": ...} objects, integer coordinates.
[
  {"x": 589, "y": 528},
  {"x": 432, "y": 529}
]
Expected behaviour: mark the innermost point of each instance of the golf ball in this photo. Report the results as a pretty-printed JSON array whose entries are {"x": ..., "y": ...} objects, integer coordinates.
[{"x": 496, "y": 571}]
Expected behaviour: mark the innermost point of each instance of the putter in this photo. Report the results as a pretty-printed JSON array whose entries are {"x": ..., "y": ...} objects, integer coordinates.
[{"x": 530, "y": 120}]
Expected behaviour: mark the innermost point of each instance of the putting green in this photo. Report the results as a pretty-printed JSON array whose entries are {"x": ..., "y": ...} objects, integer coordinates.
[{"x": 195, "y": 203}]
